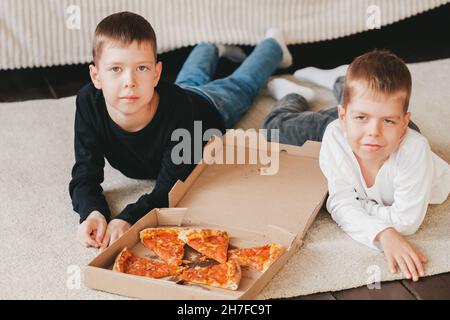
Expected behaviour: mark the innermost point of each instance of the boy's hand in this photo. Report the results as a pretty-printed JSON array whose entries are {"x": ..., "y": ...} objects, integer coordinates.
[
  {"x": 399, "y": 252},
  {"x": 116, "y": 228},
  {"x": 90, "y": 232}
]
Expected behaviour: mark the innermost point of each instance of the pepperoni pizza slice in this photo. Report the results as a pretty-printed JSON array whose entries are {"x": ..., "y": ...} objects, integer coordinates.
[
  {"x": 211, "y": 243},
  {"x": 128, "y": 263},
  {"x": 165, "y": 243},
  {"x": 259, "y": 258},
  {"x": 226, "y": 275}
]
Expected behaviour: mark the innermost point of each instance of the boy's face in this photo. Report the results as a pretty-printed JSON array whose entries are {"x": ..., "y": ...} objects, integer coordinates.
[
  {"x": 127, "y": 75},
  {"x": 374, "y": 125}
]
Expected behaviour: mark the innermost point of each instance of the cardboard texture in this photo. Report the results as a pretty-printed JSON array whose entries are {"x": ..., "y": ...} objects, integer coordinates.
[{"x": 253, "y": 207}]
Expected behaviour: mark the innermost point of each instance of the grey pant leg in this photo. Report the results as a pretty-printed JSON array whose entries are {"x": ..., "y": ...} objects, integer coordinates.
[
  {"x": 338, "y": 89},
  {"x": 331, "y": 112},
  {"x": 294, "y": 123}
]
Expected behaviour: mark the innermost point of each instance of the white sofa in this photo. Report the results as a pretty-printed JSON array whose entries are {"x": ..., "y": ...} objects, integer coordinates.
[{"x": 39, "y": 33}]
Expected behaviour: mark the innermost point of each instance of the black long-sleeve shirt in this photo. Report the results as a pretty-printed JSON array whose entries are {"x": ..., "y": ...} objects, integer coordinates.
[{"x": 145, "y": 154}]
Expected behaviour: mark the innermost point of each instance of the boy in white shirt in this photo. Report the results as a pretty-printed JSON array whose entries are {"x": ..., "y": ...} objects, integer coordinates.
[{"x": 381, "y": 174}]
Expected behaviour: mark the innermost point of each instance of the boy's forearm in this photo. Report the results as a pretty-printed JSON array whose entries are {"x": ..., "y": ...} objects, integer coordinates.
[
  {"x": 383, "y": 232},
  {"x": 159, "y": 197},
  {"x": 405, "y": 218},
  {"x": 87, "y": 198},
  {"x": 100, "y": 208},
  {"x": 348, "y": 213},
  {"x": 135, "y": 211}
]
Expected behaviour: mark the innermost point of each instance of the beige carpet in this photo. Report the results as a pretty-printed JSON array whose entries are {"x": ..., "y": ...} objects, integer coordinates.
[{"x": 40, "y": 256}]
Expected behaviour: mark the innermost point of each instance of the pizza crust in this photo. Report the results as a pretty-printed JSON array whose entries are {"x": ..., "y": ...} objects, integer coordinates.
[
  {"x": 122, "y": 257},
  {"x": 234, "y": 274},
  {"x": 275, "y": 252}
]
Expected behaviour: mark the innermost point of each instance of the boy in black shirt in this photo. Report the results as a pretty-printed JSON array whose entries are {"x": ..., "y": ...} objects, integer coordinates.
[{"x": 128, "y": 116}]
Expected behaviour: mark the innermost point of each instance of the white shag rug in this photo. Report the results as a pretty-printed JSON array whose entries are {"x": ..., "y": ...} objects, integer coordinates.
[{"x": 41, "y": 258}]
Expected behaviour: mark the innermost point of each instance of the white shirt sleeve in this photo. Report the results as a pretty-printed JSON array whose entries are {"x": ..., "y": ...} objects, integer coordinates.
[
  {"x": 344, "y": 202},
  {"x": 412, "y": 189}
]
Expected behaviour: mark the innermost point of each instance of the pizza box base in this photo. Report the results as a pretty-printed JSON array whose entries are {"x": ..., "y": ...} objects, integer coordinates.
[{"x": 254, "y": 209}]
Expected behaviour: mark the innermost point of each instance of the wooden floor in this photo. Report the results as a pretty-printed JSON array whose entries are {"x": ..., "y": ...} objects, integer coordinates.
[{"x": 417, "y": 39}]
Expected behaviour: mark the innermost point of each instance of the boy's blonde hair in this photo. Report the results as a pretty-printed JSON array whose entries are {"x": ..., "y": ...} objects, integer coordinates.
[
  {"x": 125, "y": 28},
  {"x": 381, "y": 72}
]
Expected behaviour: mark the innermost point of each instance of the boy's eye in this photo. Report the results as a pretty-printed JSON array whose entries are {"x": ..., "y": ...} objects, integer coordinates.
[
  {"x": 142, "y": 68},
  {"x": 115, "y": 69},
  {"x": 387, "y": 121},
  {"x": 361, "y": 118}
]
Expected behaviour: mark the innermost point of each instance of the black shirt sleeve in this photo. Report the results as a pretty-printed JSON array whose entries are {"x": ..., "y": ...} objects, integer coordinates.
[
  {"x": 87, "y": 173},
  {"x": 159, "y": 197}
]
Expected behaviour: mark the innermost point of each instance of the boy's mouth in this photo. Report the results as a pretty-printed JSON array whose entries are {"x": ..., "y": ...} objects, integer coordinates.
[
  {"x": 129, "y": 98},
  {"x": 371, "y": 147}
]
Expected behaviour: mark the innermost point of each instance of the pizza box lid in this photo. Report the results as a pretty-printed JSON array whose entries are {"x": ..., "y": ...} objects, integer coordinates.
[
  {"x": 248, "y": 196},
  {"x": 254, "y": 207}
]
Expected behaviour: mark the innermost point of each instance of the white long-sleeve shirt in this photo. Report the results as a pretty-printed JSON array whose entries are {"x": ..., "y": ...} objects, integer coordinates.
[{"x": 410, "y": 179}]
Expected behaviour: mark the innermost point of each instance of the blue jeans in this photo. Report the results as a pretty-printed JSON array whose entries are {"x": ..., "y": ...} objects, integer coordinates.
[{"x": 233, "y": 95}]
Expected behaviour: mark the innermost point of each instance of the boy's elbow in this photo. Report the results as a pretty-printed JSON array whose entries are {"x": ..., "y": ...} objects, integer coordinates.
[
  {"x": 407, "y": 229},
  {"x": 409, "y": 225}
]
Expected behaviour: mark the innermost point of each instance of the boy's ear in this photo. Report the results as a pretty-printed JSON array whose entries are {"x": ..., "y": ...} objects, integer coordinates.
[
  {"x": 341, "y": 112},
  {"x": 341, "y": 115},
  {"x": 407, "y": 119},
  {"x": 93, "y": 72},
  {"x": 158, "y": 71}
]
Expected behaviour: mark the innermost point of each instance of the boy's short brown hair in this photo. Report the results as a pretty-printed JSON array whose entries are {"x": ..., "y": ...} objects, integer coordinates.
[
  {"x": 125, "y": 28},
  {"x": 381, "y": 72}
]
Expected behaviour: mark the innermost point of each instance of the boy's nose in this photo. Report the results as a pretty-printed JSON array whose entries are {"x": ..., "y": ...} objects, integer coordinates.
[
  {"x": 130, "y": 84},
  {"x": 129, "y": 81},
  {"x": 374, "y": 129}
]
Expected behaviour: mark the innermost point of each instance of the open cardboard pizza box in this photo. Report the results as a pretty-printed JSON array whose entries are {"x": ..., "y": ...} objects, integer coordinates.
[{"x": 254, "y": 207}]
